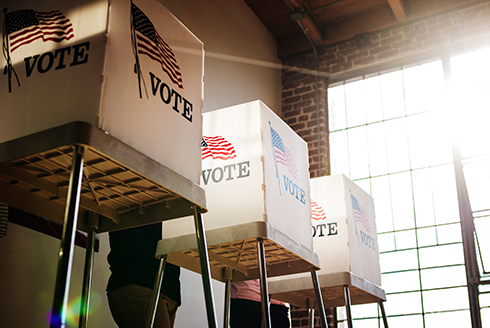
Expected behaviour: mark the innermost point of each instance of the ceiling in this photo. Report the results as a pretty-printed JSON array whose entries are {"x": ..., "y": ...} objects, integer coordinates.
[{"x": 295, "y": 22}]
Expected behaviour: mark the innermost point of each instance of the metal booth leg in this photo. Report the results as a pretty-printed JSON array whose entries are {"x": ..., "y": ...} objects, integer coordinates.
[
  {"x": 226, "y": 316},
  {"x": 383, "y": 313},
  {"x": 264, "y": 292},
  {"x": 150, "y": 319},
  {"x": 347, "y": 305},
  {"x": 65, "y": 259},
  {"x": 319, "y": 298},
  {"x": 87, "y": 279},
  {"x": 205, "y": 271},
  {"x": 311, "y": 313}
]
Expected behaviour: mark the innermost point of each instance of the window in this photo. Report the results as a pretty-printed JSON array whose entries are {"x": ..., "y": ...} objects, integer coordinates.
[{"x": 391, "y": 133}]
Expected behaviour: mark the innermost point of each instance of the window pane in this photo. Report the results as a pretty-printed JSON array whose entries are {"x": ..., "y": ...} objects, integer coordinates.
[
  {"x": 406, "y": 303},
  {"x": 422, "y": 194},
  {"x": 355, "y": 103},
  {"x": 406, "y": 321},
  {"x": 397, "y": 145},
  {"x": 374, "y": 107},
  {"x": 443, "y": 277},
  {"x": 339, "y": 156},
  {"x": 392, "y": 95},
  {"x": 401, "y": 281},
  {"x": 402, "y": 203},
  {"x": 449, "y": 234},
  {"x": 365, "y": 311},
  {"x": 427, "y": 236},
  {"x": 423, "y": 87},
  {"x": 444, "y": 193},
  {"x": 398, "y": 261},
  {"x": 477, "y": 176},
  {"x": 441, "y": 255},
  {"x": 405, "y": 239},
  {"x": 382, "y": 203},
  {"x": 358, "y": 156},
  {"x": 336, "y": 108},
  {"x": 448, "y": 319},
  {"x": 446, "y": 299},
  {"x": 386, "y": 242},
  {"x": 378, "y": 160}
]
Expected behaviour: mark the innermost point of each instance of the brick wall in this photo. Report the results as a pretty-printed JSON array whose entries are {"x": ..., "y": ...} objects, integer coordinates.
[
  {"x": 299, "y": 103},
  {"x": 299, "y": 100}
]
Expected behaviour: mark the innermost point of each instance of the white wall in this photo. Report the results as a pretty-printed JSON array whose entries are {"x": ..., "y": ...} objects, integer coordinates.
[{"x": 240, "y": 63}]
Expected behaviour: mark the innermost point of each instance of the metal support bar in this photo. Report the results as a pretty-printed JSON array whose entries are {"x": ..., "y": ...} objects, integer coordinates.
[
  {"x": 311, "y": 314},
  {"x": 87, "y": 279},
  {"x": 264, "y": 292},
  {"x": 226, "y": 316},
  {"x": 319, "y": 298},
  {"x": 150, "y": 319},
  {"x": 348, "y": 306},
  {"x": 65, "y": 259},
  {"x": 205, "y": 270},
  {"x": 383, "y": 313}
]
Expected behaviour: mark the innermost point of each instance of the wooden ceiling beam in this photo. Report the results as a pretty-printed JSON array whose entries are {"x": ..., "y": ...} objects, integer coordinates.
[
  {"x": 398, "y": 8},
  {"x": 307, "y": 22}
]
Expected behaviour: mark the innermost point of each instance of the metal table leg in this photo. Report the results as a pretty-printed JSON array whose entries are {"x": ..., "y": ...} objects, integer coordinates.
[
  {"x": 87, "y": 279},
  {"x": 383, "y": 313},
  {"x": 311, "y": 314},
  {"x": 348, "y": 306},
  {"x": 65, "y": 259},
  {"x": 226, "y": 316},
  {"x": 150, "y": 319},
  {"x": 264, "y": 292},
  {"x": 319, "y": 298},
  {"x": 205, "y": 270}
]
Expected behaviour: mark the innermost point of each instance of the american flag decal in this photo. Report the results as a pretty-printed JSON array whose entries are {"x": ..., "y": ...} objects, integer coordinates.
[
  {"x": 150, "y": 43},
  {"x": 217, "y": 148},
  {"x": 360, "y": 214},
  {"x": 282, "y": 153},
  {"x": 317, "y": 212},
  {"x": 26, "y": 26}
]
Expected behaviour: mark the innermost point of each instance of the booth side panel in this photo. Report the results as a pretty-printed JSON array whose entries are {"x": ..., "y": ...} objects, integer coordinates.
[
  {"x": 153, "y": 89},
  {"x": 364, "y": 252},
  {"x": 286, "y": 172},
  {"x": 231, "y": 170},
  {"x": 51, "y": 80},
  {"x": 329, "y": 222}
]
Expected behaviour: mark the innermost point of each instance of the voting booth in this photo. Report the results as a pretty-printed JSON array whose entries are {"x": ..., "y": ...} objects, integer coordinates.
[
  {"x": 256, "y": 177},
  {"x": 101, "y": 118},
  {"x": 345, "y": 239},
  {"x": 254, "y": 169},
  {"x": 129, "y": 68}
]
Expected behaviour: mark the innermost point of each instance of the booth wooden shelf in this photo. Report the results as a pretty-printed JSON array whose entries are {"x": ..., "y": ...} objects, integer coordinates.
[
  {"x": 338, "y": 289},
  {"x": 123, "y": 186},
  {"x": 235, "y": 248}
]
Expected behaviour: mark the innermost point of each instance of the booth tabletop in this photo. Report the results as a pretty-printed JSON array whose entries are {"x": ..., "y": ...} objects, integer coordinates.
[
  {"x": 235, "y": 248},
  {"x": 297, "y": 290},
  {"x": 123, "y": 186}
]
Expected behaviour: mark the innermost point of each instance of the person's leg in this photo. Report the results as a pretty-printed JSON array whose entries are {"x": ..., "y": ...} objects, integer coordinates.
[
  {"x": 245, "y": 314},
  {"x": 280, "y": 316},
  {"x": 129, "y": 306}
]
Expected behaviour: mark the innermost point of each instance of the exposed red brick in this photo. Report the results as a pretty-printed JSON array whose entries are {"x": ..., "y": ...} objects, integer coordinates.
[
  {"x": 391, "y": 40},
  {"x": 364, "y": 61},
  {"x": 387, "y": 54},
  {"x": 376, "y": 51},
  {"x": 441, "y": 26}
]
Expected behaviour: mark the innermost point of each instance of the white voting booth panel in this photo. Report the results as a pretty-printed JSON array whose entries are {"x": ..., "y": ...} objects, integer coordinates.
[
  {"x": 344, "y": 228},
  {"x": 254, "y": 169},
  {"x": 129, "y": 68}
]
